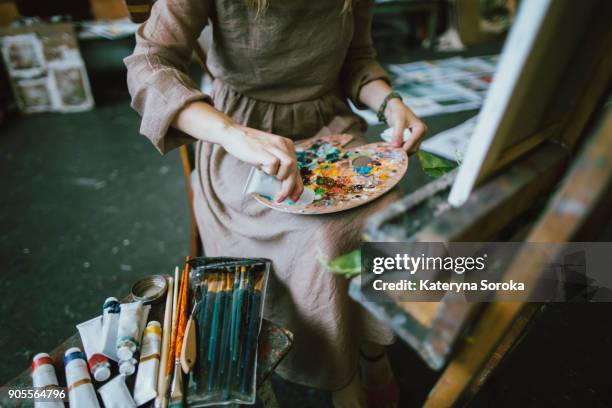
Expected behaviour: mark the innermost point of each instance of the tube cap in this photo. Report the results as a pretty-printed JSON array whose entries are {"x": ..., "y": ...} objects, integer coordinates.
[
  {"x": 102, "y": 372},
  {"x": 127, "y": 368}
]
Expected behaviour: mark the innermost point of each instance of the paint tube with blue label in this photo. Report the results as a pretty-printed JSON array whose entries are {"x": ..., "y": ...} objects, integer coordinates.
[
  {"x": 81, "y": 393},
  {"x": 110, "y": 323}
]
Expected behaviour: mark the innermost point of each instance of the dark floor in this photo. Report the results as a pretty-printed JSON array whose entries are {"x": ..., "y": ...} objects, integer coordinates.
[{"x": 89, "y": 206}]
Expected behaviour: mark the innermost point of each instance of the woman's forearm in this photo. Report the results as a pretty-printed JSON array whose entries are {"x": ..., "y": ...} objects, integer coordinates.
[
  {"x": 373, "y": 93},
  {"x": 203, "y": 122},
  {"x": 273, "y": 154}
]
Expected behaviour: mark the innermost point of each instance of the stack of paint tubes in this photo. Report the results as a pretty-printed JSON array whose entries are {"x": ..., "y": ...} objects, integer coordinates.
[
  {"x": 228, "y": 296},
  {"x": 219, "y": 338},
  {"x": 115, "y": 335}
]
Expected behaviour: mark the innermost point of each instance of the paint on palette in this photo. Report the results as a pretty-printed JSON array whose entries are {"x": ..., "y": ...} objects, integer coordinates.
[{"x": 344, "y": 178}]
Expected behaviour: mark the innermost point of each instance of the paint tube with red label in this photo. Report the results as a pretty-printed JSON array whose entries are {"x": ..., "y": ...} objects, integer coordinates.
[
  {"x": 43, "y": 376},
  {"x": 98, "y": 363}
]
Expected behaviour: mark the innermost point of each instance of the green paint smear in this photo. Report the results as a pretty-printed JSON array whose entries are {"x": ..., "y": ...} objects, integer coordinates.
[
  {"x": 348, "y": 265},
  {"x": 434, "y": 166}
]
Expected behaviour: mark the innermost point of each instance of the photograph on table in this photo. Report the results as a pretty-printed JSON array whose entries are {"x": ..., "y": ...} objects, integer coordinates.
[
  {"x": 33, "y": 95},
  {"x": 23, "y": 55},
  {"x": 70, "y": 87}
]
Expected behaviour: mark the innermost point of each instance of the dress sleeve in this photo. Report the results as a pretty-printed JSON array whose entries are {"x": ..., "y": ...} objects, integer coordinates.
[
  {"x": 361, "y": 66},
  {"x": 157, "y": 70}
]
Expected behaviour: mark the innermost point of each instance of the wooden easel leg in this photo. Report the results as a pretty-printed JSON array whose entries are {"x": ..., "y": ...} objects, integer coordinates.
[{"x": 472, "y": 358}]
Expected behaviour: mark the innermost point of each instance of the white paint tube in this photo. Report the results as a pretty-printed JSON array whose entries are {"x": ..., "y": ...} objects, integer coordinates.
[
  {"x": 129, "y": 325},
  {"x": 259, "y": 182},
  {"x": 387, "y": 135},
  {"x": 81, "y": 393},
  {"x": 145, "y": 388},
  {"x": 44, "y": 377},
  {"x": 110, "y": 325},
  {"x": 115, "y": 394},
  {"x": 90, "y": 332}
]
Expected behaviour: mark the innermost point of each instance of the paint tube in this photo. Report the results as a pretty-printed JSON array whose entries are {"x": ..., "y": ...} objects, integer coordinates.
[
  {"x": 387, "y": 135},
  {"x": 99, "y": 366},
  {"x": 115, "y": 394},
  {"x": 44, "y": 377},
  {"x": 81, "y": 393},
  {"x": 145, "y": 388},
  {"x": 127, "y": 335},
  {"x": 260, "y": 183},
  {"x": 110, "y": 324}
]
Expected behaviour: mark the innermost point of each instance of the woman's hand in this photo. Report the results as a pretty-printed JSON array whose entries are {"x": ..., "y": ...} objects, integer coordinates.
[
  {"x": 274, "y": 155},
  {"x": 400, "y": 117}
]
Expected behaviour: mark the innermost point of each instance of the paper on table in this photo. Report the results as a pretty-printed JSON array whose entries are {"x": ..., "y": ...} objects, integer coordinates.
[{"x": 452, "y": 143}]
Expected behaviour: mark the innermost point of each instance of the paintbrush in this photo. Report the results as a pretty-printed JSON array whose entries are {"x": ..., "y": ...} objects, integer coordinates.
[
  {"x": 161, "y": 375},
  {"x": 251, "y": 331},
  {"x": 209, "y": 284},
  {"x": 176, "y": 396},
  {"x": 214, "y": 328},
  {"x": 225, "y": 331},
  {"x": 170, "y": 359},
  {"x": 249, "y": 284},
  {"x": 238, "y": 312},
  {"x": 217, "y": 331}
]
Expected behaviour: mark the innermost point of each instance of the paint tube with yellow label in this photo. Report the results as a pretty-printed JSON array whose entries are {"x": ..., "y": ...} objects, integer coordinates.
[{"x": 145, "y": 388}]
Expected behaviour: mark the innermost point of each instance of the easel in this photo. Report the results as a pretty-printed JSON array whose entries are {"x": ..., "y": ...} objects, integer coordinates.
[{"x": 468, "y": 341}]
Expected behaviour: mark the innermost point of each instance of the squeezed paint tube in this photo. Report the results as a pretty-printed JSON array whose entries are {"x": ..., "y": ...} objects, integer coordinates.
[
  {"x": 128, "y": 332},
  {"x": 99, "y": 366},
  {"x": 145, "y": 388},
  {"x": 259, "y": 182},
  {"x": 110, "y": 324},
  {"x": 115, "y": 394},
  {"x": 387, "y": 135},
  {"x": 81, "y": 393},
  {"x": 44, "y": 377}
]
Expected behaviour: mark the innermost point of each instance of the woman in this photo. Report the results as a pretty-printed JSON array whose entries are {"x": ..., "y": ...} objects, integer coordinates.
[{"x": 283, "y": 72}]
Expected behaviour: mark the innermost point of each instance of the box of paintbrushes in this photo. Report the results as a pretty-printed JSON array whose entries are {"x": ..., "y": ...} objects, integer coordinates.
[{"x": 227, "y": 298}]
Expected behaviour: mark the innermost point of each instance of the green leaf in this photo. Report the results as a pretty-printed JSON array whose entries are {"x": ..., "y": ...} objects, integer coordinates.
[
  {"x": 434, "y": 166},
  {"x": 348, "y": 265}
]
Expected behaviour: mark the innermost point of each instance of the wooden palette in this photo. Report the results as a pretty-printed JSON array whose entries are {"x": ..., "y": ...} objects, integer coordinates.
[{"x": 343, "y": 178}]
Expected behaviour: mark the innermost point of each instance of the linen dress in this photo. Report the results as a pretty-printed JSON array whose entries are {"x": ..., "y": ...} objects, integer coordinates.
[{"x": 288, "y": 70}]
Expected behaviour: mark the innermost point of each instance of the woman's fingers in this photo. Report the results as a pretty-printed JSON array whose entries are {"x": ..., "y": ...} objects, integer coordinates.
[
  {"x": 287, "y": 163},
  {"x": 288, "y": 187},
  {"x": 417, "y": 130},
  {"x": 270, "y": 164},
  {"x": 297, "y": 190},
  {"x": 398, "y": 132}
]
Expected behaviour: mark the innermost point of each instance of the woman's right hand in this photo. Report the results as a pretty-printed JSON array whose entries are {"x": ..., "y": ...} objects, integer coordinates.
[{"x": 274, "y": 155}]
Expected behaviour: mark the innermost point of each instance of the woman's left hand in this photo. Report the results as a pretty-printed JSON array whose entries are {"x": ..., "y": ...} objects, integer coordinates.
[{"x": 400, "y": 117}]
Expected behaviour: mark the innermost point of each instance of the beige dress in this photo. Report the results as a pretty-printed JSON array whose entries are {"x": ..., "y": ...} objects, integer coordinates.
[{"x": 288, "y": 71}]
